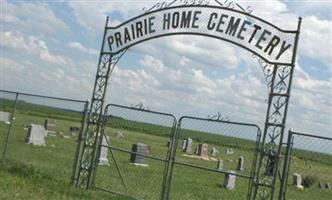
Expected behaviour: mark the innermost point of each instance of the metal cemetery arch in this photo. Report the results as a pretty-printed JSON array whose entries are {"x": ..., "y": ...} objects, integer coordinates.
[{"x": 242, "y": 29}]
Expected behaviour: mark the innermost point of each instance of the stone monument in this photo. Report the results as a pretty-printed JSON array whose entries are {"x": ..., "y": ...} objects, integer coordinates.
[
  {"x": 189, "y": 144},
  {"x": 229, "y": 182},
  {"x": 50, "y": 125},
  {"x": 4, "y": 117},
  {"x": 214, "y": 152},
  {"x": 220, "y": 165},
  {"x": 103, "y": 160},
  {"x": 297, "y": 180},
  {"x": 203, "y": 150},
  {"x": 240, "y": 164},
  {"x": 141, "y": 149},
  {"x": 36, "y": 135}
]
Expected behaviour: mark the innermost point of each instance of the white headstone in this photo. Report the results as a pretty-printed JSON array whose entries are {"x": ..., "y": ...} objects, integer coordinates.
[
  {"x": 229, "y": 182},
  {"x": 229, "y": 151},
  {"x": 4, "y": 117},
  {"x": 220, "y": 165},
  {"x": 189, "y": 145},
  {"x": 36, "y": 135},
  {"x": 214, "y": 152},
  {"x": 103, "y": 160},
  {"x": 184, "y": 144},
  {"x": 297, "y": 180}
]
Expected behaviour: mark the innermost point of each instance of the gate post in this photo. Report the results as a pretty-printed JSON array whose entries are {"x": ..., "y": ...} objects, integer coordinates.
[
  {"x": 285, "y": 171},
  {"x": 88, "y": 160},
  {"x": 275, "y": 122}
]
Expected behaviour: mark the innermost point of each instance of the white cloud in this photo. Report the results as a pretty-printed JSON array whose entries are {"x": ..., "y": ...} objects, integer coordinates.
[
  {"x": 33, "y": 46},
  {"x": 315, "y": 40},
  {"x": 80, "y": 47},
  {"x": 31, "y": 17}
]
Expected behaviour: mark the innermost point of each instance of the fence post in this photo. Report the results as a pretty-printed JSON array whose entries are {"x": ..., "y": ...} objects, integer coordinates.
[
  {"x": 284, "y": 178},
  {"x": 4, "y": 153},
  {"x": 80, "y": 141},
  {"x": 169, "y": 162}
]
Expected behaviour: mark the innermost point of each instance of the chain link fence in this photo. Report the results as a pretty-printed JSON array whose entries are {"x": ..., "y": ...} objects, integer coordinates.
[
  {"x": 214, "y": 159},
  {"x": 40, "y": 137},
  {"x": 307, "y": 167},
  {"x": 134, "y": 153}
]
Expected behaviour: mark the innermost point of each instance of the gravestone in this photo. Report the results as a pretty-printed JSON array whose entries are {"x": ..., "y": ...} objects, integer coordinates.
[
  {"x": 240, "y": 164},
  {"x": 149, "y": 150},
  {"x": 321, "y": 185},
  {"x": 328, "y": 186},
  {"x": 119, "y": 135},
  {"x": 4, "y": 117},
  {"x": 141, "y": 149},
  {"x": 220, "y": 165},
  {"x": 103, "y": 160},
  {"x": 36, "y": 135},
  {"x": 74, "y": 130},
  {"x": 214, "y": 152},
  {"x": 50, "y": 125},
  {"x": 229, "y": 151},
  {"x": 203, "y": 150},
  {"x": 189, "y": 144},
  {"x": 229, "y": 182},
  {"x": 297, "y": 180},
  {"x": 184, "y": 144}
]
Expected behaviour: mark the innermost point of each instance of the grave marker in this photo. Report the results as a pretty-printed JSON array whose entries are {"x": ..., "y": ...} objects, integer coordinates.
[
  {"x": 240, "y": 164},
  {"x": 229, "y": 151},
  {"x": 4, "y": 116},
  {"x": 188, "y": 146},
  {"x": 220, "y": 165},
  {"x": 184, "y": 144},
  {"x": 203, "y": 150},
  {"x": 103, "y": 160},
  {"x": 74, "y": 130},
  {"x": 36, "y": 135},
  {"x": 141, "y": 149},
  {"x": 229, "y": 182},
  {"x": 50, "y": 125},
  {"x": 214, "y": 152},
  {"x": 297, "y": 180}
]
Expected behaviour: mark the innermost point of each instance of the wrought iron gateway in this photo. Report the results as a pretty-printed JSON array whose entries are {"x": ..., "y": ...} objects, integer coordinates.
[{"x": 274, "y": 46}]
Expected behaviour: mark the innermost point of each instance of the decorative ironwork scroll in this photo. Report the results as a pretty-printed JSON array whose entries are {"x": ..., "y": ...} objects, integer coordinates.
[{"x": 275, "y": 48}]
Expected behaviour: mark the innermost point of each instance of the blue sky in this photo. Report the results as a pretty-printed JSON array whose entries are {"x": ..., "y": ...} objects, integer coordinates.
[{"x": 52, "y": 48}]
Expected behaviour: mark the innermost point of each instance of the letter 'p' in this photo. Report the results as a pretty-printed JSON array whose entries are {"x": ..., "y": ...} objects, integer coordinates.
[{"x": 110, "y": 42}]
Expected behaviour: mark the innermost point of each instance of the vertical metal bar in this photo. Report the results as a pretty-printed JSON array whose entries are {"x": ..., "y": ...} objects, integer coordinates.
[
  {"x": 286, "y": 167},
  {"x": 5, "y": 148},
  {"x": 93, "y": 161},
  {"x": 172, "y": 159},
  {"x": 169, "y": 162},
  {"x": 288, "y": 92},
  {"x": 79, "y": 147},
  {"x": 262, "y": 151},
  {"x": 254, "y": 165}
]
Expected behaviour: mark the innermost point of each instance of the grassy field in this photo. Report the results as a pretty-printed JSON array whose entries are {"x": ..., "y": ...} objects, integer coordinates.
[{"x": 33, "y": 172}]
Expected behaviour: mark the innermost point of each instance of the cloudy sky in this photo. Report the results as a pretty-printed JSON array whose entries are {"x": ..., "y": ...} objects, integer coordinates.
[{"x": 52, "y": 48}]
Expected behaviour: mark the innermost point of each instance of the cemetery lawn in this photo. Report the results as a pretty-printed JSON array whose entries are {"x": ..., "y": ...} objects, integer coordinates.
[{"x": 33, "y": 172}]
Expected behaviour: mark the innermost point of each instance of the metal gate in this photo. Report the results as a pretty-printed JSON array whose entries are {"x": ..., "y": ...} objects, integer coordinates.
[
  {"x": 307, "y": 170},
  {"x": 198, "y": 174},
  {"x": 128, "y": 170}
]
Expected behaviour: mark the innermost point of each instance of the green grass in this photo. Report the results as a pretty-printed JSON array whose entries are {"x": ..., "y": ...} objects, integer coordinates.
[{"x": 33, "y": 172}]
